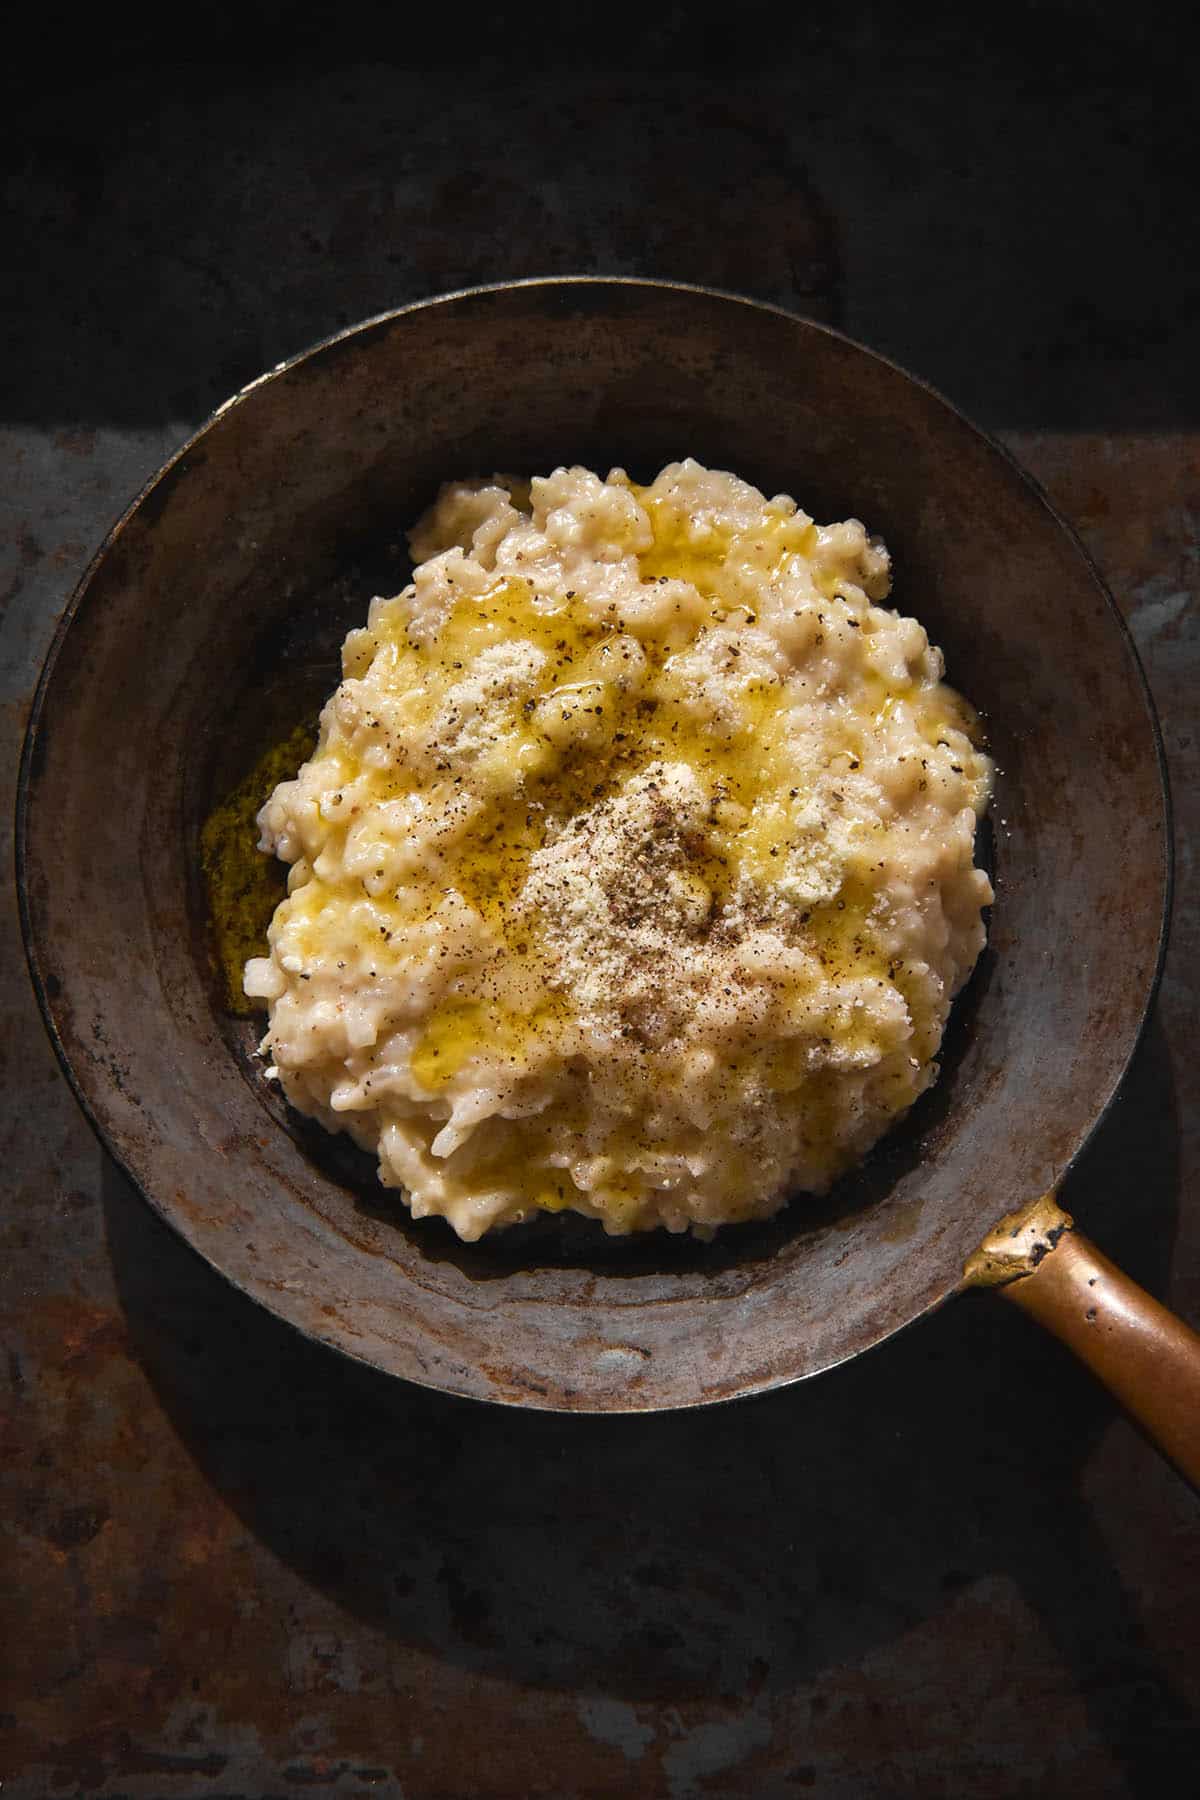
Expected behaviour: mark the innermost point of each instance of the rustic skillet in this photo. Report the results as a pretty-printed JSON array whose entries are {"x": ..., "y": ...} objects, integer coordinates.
[{"x": 208, "y": 623}]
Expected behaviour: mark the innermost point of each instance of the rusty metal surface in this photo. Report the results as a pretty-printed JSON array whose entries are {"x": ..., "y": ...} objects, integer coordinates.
[{"x": 236, "y": 1566}]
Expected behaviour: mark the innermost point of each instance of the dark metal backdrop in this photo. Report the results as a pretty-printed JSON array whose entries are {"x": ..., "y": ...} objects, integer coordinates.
[{"x": 235, "y": 1566}]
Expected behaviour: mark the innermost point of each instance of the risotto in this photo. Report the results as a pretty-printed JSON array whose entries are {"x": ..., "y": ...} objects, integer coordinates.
[{"x": 633, "y": 871}]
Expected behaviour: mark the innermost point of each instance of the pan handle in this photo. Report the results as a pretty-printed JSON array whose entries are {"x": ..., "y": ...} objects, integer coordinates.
[{"x": 1146, "y": 1357}]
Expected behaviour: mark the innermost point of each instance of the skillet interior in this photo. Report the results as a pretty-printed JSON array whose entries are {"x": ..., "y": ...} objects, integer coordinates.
[{"x": 210, "y": 623}]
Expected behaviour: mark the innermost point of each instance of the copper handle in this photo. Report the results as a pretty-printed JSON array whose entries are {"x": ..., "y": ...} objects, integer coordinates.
[{"x": 1146, "y": 1357}]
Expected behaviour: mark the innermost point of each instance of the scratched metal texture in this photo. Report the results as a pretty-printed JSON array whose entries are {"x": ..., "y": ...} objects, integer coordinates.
[{"x": 234, "y": 1566}]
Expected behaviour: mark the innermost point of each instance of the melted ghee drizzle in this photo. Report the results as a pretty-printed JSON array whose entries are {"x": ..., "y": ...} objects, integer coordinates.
[
  {"x": 243, "y": 884},
  {"x": 587, "y": 734}
]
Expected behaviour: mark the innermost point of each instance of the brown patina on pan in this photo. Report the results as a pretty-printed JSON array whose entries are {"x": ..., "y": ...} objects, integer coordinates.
[{"x": 208, "y": 624}]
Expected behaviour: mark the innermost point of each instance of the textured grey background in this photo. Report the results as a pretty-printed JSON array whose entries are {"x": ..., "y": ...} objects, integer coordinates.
[{"x": 234, "y": 1566}]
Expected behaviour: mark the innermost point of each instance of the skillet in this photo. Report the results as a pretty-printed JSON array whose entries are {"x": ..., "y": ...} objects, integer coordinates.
[{"x": 208, "y": 624}]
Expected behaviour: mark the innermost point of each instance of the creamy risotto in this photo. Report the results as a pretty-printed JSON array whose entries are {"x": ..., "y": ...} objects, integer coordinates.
[{"x": 633, "y": 870}]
